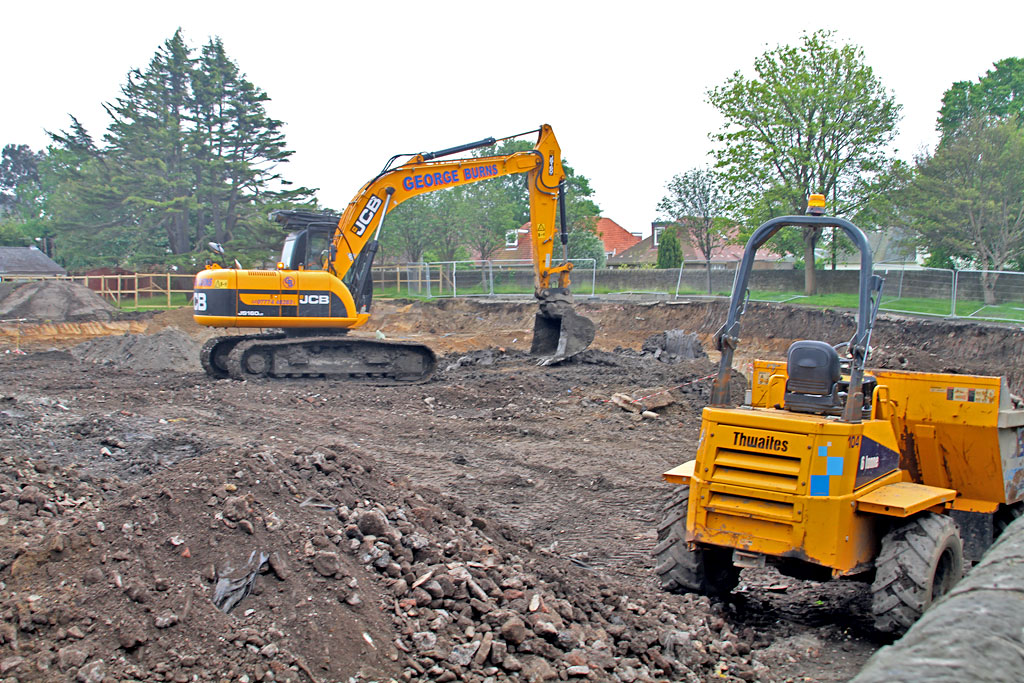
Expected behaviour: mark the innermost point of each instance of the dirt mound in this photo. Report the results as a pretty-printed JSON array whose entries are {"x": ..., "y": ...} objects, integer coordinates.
[
  {"x": 365, "y": 577},
  {"x": 54, "y": 301},
  {"x": 127, "y": 499},
  {"x": 168, "y": 349}
]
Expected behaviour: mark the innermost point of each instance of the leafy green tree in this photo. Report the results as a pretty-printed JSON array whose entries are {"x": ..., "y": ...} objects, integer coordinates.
[
  {"x": 696, "y": 203},
  {"x": 408, "y": 230},
  {"x": 999, "y": 93},
  {"x": 449, "y": 222},
  {"x": 429, "y": 227},
  {"x": 238, "y": 150},
  {"x": 453, "y": 223},
  {"x": 670, "y": 252},
  {"x": 585, "y": 243},
  {"x": 814, "y": 119},
  {"x": 494, "y": 207},
  {"x": 581, "y": 214},
  {"x": 968, "y": 197},
  {"x": 12, "y": 234},
  {"x": 83, "y": 209},
  {"x": 148, "y": 140}
]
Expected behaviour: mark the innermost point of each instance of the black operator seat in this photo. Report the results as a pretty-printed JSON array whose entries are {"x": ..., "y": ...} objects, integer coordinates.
[{"x": 813, "y": 378}]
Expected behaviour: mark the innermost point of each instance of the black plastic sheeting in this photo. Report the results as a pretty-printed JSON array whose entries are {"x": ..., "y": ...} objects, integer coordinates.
[{"x": 234, "y": 584}]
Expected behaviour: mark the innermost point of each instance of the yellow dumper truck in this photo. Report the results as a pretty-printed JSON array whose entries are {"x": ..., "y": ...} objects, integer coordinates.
[{"x": 829, "y": 470}]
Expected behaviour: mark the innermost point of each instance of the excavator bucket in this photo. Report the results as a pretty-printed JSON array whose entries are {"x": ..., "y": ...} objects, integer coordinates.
[{"x": 560, "y": 333}]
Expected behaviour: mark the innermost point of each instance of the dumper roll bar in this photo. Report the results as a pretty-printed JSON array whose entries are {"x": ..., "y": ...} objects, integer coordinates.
[{"x": 727, "y": 337}]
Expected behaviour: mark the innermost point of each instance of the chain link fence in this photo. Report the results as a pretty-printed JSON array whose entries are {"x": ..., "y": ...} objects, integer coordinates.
[
  {"x": 989, "y": 295},
  {"x": 920, "y": 291},
  {"x": 975, "y": 294},
  {"x": 474, "y": 278},
  {"x": 971, "y": 294}
]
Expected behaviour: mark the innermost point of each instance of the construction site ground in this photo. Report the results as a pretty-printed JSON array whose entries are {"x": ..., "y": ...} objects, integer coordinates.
[{"x": 495, "y": 523}]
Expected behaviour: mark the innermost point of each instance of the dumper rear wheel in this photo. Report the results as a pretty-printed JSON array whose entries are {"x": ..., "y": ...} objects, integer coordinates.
[
  {"x": 918, "y": 563},
  {"x": 706, "y": 569}
]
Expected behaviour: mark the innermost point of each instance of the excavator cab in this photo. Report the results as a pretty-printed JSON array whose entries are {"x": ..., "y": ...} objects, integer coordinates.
[{"x": 308, "y": 246}]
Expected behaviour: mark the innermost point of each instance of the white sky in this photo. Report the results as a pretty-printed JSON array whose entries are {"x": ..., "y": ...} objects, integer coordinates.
[{"x": 623, "y": 84}]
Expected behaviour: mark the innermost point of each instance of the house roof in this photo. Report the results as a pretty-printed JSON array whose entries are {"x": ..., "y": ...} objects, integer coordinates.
[
  {"x": 27, "y": 261},
  {"x": 645, "y": 252},
  {"x": 522, "y": 250},
  {"x": 616, "y": 239}
]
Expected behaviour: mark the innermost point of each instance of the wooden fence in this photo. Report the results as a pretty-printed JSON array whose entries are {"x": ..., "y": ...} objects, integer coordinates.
[{"x": 130, "y": 290}]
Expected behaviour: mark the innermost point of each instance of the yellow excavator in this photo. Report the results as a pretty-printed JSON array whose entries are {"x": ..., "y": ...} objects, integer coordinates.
[{"x": 323, "y": 285}]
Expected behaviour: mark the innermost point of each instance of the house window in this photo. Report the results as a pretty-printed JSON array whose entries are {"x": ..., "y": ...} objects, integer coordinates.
[
  {"x": 657, "y": 233},
  {"x": 512, "y": 238}
]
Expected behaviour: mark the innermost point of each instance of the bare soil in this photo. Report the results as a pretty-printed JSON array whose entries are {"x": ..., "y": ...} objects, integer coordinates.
[
  {"x": 493, "y": 524},
  {"x": 50, "y": 300}
]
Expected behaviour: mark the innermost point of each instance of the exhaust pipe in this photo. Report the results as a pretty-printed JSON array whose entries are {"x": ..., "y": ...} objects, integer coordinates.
[{"x": 559, "y": 332}]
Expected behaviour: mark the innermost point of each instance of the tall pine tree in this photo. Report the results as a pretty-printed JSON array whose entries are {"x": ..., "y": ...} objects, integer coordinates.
[
  {"x": 190, "y": 155},
  {"x": 148, "y": 141}
]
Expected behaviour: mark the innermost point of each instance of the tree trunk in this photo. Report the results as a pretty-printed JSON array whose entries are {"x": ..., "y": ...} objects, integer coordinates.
[
  {"x": 707, "y": 262},
  {"x": 810, "y": 277},
  {"x": 988, "y": 287},
  {"x": 177, "y": 234},
  {"x": 230, "y": 217}
]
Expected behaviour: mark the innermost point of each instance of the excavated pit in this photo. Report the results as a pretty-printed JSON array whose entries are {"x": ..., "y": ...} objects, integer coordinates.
[{"x": 493, "y": 524}]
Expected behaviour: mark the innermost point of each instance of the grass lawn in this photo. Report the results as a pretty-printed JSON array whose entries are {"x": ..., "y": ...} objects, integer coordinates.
[
  {"x": 967, "y": 309},
  {"x": 153, "y": 302}
]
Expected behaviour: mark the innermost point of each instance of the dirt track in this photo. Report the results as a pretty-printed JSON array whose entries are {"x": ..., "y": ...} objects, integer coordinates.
[{"x": 526, "y": 476}]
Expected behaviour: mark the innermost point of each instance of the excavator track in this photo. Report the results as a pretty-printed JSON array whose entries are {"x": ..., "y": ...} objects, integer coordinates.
[
  {"x": 214, "y": 354},
  {"x": 337, "y": 357}
]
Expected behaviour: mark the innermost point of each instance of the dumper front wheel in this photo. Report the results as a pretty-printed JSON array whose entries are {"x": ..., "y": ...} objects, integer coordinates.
[
  {"x": 705, "y": 569},
  {"x": 918, "y": 563}
]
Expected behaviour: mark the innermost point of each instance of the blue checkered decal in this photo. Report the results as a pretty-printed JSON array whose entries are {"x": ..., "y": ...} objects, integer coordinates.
[{"x": 820, "y": 483}]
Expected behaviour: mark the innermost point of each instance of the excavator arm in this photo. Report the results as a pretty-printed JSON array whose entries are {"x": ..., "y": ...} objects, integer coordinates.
[
  {"x": 559, "y": 332},
  {"x": 365, "y": 214}
]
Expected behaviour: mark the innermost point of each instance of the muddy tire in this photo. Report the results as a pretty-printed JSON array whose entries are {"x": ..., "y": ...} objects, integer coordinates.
[
  {"x": 707, "y": 570},
  {"x": 919, "y": 562}
]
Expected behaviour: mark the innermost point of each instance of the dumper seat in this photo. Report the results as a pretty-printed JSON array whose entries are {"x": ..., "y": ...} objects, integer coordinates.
[{"x": 813, "y": 384}]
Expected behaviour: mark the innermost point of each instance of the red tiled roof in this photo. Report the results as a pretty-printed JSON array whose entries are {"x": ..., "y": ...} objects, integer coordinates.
[
  {"x": 645, "y": 252},
  {"x": 523, "y": 250},
  {"x": 616, "y": 240}
]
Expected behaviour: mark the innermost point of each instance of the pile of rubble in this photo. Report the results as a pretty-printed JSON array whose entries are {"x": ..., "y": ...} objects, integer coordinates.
[
  {"x": 327, "y": 570},
  {"x": 168, "y": 349}
]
